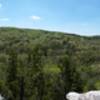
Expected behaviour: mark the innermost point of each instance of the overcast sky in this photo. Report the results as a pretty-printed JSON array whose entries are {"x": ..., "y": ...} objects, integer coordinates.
[{"x": 75, "y": 16}]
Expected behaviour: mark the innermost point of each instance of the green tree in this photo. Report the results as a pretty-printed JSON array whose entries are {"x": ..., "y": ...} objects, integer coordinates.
[
  {"x": 12, "y": 79},
  {"x": 36, "y": 74},
  {"x": 69, "y": 74},
  {"x": 38, "y": 68}
]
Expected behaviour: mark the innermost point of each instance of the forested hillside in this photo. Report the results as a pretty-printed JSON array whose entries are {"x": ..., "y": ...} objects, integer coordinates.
[{"x": 44, "y": 65}]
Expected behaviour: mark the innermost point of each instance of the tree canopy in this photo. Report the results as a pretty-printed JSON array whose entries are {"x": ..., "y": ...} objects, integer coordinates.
[{"x": 45, "y": 65}]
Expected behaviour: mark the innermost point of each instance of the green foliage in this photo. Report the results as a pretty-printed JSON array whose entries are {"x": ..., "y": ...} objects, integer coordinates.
[{"x": 43, "y": 65}]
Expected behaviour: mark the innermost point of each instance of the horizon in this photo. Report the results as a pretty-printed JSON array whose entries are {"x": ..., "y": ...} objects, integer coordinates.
[
  {"x": 67, "y": 33},
  {"x": 76, "y": 17}
]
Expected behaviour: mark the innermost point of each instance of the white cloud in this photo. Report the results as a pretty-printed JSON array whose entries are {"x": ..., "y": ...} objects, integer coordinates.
[
  {"x": 34, "y": 18},
  {"x": 0, "y": 5},
  {"x": 4, "y": 19}
]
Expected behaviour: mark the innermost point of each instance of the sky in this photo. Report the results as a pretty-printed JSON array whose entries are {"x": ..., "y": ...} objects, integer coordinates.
[{"x": 74, "y": 16}]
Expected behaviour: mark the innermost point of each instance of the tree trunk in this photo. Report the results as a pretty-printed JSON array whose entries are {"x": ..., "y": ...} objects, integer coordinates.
[{"x": 22, "y": 88}]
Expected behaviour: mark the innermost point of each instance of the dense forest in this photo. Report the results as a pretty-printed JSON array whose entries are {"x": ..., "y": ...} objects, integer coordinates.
[{"x": 45, "y": 65}]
